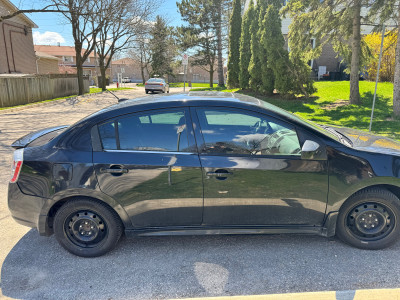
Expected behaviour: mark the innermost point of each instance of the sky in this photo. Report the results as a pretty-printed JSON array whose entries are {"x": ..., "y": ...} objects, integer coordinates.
[{"x": 54, "y": 29}]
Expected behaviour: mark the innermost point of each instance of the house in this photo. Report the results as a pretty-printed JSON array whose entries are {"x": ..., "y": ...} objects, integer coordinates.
[
  {"x": 67, "y": 60},
  {"x": 16, "y": 42},
  {"x": 46, "y": 63},
  {"x": 128, "y": 67}
]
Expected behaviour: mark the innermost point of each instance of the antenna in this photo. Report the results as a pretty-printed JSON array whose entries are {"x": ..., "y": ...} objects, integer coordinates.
[{"x": 119, "y": 99}]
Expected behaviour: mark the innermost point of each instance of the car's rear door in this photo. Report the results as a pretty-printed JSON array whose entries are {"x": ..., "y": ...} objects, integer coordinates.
[
  {"x": 253, "y": 171},
  {"x": 150, "y": 165}
]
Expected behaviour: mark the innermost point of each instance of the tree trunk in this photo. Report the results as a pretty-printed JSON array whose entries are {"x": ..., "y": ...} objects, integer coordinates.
[
  {"x": 142, "y": 73},
  {"x": 221, "y": 81},
  {"x": 396, "y": 85},
  {"x": 103, "y": 79},
  {"x": 211, "y": 75},
  {"x": 79, "y": 71},
  {"x": 355, "y": 57}
]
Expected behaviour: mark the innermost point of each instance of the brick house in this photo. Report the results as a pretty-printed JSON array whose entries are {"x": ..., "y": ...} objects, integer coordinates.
[
  {"x": 16, "y": 42},
  {"x": 131, "y": 68},
  {"x": 67, "y": 60}
]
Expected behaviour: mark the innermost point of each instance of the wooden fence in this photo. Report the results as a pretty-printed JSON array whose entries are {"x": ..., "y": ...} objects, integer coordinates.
[{"x": 18, "y": 90}]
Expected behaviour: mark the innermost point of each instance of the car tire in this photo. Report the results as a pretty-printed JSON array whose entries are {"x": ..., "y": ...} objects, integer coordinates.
[
  {"x": 147, "y": 91},
  {"x": 370, "y": 219},
  {"x": 87, "y": 228},
  {"x": 167, "y": 91}
]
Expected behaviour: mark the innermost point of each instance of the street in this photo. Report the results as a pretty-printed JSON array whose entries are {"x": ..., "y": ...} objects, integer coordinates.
[{"x": 35, "y": 267}]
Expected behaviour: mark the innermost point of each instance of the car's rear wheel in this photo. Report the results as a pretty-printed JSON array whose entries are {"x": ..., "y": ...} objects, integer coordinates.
[
  {"x": 87, "y": 227},
  {"x": 369, "y": 219},
  {"x": 147, "y": 91}
]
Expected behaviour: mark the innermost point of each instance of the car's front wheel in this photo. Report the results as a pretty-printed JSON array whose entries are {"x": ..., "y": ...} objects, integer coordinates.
[
  {"x": 87, "y": 227},
  {"x": 369, "y": 219}
]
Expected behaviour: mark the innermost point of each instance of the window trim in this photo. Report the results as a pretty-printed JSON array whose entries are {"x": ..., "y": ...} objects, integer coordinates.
[{"x": 201, "y": 147}]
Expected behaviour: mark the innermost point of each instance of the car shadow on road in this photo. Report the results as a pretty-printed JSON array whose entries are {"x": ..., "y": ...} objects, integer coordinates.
[{"x": 195, "y": 266}]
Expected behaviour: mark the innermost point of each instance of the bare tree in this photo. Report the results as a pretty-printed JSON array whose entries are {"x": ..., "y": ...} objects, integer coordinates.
[
  {"x": 121, "y": 22},
  {"x": 141, "y": 52},
  {"x": 80, "y": 14},
  {"x": 48, "y": 8}
]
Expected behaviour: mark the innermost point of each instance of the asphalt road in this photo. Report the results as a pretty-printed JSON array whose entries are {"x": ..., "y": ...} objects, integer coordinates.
[{"x": 35, "y": 267}]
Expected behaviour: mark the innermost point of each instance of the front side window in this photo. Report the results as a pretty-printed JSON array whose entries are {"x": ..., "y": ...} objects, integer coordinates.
[
  {"x": 156, "y": 131},
  {"x": 241, "y": 132}
]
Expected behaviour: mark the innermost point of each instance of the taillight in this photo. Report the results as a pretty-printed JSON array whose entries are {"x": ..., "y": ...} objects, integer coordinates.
[
  {"x": 18, "y": 159},
  {"x": 161, "y": 84},
  {"x": 145, "y": 83}
]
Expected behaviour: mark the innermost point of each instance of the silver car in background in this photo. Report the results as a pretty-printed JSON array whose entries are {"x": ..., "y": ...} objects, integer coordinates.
[{"x": 156, "y": 85}]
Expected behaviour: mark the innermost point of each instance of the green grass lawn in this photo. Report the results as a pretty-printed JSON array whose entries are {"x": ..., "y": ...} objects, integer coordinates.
[
  {"x": 330, "y": 105},
  {"x": 98, "y": 90},
  {"x": 180, "y": 84}
]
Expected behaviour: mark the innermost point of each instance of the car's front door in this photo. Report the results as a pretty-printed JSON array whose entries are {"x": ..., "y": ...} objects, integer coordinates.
[
  {"x": 149, "y": 164},
  {"x": 253, "y": 171}
]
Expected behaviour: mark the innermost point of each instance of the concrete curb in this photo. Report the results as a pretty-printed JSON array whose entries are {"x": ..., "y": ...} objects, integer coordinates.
[{"x": 378, "y": 294}]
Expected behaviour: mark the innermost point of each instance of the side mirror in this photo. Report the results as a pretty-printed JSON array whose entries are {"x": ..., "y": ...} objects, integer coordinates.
[{"x": 313, "y": 151}]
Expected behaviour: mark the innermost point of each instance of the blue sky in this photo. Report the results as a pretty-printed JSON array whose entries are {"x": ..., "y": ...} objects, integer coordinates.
[{"x": 54, "y": 28}]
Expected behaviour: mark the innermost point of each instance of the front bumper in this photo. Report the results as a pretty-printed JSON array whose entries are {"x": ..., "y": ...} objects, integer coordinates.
[{"x": 26, "y": 209}]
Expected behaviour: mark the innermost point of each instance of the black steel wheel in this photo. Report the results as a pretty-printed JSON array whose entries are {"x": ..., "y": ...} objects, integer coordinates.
[
  {"x": 87, "y": 228},
  {"x": 369, "y": 219}
]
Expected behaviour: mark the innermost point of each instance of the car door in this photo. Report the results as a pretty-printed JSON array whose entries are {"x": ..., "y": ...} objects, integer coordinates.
[
  {"x": 149, "y": 164},
  {"x": 253, "y": 171}
]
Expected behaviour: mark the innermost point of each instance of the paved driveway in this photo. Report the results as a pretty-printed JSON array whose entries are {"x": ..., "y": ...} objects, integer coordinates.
[{"x": 35, "y": 267}]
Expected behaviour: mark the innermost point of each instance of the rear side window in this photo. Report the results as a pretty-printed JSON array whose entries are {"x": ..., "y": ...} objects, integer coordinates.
[{"x": 162, "y": 130}]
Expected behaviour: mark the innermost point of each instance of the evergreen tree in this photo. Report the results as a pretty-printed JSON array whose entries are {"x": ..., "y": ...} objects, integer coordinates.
[
  {"x": 337, "y": 22},
  {"x": 273, "y": 42},
  {"x": 235, "y": 24},
  {"x": 267, "y": 74},
  {"x": 161, "y": 57},
  {"x": 255, "y": 82},
  {"x": 245, "y": 47}
]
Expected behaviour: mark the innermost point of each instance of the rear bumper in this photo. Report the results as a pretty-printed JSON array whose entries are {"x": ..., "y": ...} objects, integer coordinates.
[
  {"x": 26, "y": 209},
  {"x": 153, "y": 88}
]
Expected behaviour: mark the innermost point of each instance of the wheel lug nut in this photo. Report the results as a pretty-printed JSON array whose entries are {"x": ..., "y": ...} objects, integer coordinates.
[
  {"x": 376, "y": 220},
  {"x": 363, "y": 219},
  {"x": 372, "y": 225},
  {"x": 370, "y": 215}
]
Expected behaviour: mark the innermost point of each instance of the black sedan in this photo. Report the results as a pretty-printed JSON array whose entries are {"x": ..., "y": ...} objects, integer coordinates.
[{"x": 204, "y": 164}]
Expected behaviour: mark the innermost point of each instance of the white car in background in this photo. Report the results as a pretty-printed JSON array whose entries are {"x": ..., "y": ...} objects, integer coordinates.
[{"x": 156, "y": 85}]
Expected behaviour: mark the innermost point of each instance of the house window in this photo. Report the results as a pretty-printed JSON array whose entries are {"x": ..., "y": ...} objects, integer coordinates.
[
  {"x": 88, "y": 59},
  {"x": 68, "y": 59},
  {"x": 87, "y": 72}
]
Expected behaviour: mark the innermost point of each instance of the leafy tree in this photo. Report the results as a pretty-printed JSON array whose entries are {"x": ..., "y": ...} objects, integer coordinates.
[
  {"x": 255, "y": 81},
  {"x": 199, "y": 35},
  {"x": 385, "y": 10},
  {"x": 373, "y": 40},
  {"x": 338, "y": 22},
  {"x": 234, "y": 45},
  {"x": 160, "y": 46},
  {"x": 245, "y": 47}
]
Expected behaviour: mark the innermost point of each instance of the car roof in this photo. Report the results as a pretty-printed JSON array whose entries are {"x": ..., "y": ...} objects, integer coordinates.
[{"x": 194, "y": 98}]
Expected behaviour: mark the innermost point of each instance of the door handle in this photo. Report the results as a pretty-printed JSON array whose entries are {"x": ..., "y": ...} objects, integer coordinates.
[
  {"x": 119, "y": 171},
  {"x": 220, "y": 174}
]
